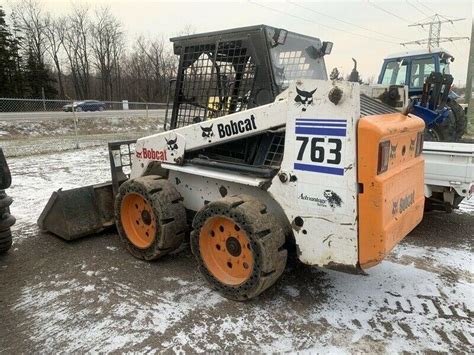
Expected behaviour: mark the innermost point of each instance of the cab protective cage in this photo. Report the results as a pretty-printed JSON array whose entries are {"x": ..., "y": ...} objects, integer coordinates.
[{"x": 228, "y": 71}]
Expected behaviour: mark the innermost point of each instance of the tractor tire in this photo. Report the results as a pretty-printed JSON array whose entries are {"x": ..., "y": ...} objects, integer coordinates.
[
  {"x": 459, "y": 117},
  {"x": 239, "y": 246},
  {"x": 6, "y": 221},
  {"x": 6, "y": 240},
  {"x": 442, "y": 132},
  {"x": 150, "y": 217}
]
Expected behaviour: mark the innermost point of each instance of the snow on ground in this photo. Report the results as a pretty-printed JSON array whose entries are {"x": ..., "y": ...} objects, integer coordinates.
[
  {"x": 467, "y": 206},
  {"x": 34, "y": 178},
  {"x": 420, "y": 299}
]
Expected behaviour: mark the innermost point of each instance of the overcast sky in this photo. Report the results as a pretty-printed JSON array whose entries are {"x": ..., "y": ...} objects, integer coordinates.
[{"x": 381, "y": 26}]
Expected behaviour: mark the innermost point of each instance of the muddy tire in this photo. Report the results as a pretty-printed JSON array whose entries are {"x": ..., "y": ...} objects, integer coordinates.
[
  {"x": 442, "y": 132},
  {"x": 239, "y": 246},
  {"x": 150, "y": 217},
  {"x": 6, "y": 241},
  {"x": 459, "y": 117}
]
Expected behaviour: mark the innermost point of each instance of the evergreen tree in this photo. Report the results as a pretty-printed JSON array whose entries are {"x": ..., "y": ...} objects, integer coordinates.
[
  {"x": 37, "y": 78},
  {"x": 10, "y": 71}
]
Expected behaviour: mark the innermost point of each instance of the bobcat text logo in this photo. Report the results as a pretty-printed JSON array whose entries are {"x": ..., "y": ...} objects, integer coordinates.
[
  {"x": 304, "y": 98},
  {"x": 232, "y": 128},
  {"x": 152, "y": 154},
  {"x": 406, "y": 202}
]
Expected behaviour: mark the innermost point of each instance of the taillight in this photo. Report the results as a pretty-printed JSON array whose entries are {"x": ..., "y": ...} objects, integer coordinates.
[
  {"x": 384, "y": 156},
  {"x": 419, "y": 143}
]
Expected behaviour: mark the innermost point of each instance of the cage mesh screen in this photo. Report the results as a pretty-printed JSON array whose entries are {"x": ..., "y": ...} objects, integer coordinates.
[
  {"x": 275, "y": 152},
  {"x": 216, "y": 80},
  {"x": 294, "y": 65}
]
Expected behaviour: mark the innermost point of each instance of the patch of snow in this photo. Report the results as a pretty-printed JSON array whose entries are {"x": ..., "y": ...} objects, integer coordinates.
[{"x": 467, "y": 205}]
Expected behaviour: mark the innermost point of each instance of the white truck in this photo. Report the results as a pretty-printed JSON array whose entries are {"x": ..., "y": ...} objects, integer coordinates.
[{"x": 449, "y": 174}]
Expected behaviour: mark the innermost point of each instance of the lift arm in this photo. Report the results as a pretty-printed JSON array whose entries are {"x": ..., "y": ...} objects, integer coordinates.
[{"x": 170, "y": 146}]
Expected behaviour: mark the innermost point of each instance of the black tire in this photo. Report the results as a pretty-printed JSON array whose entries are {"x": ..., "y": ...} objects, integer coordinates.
[
  {"x": 442, "y": 132},
  {"x": 6, "y": 241},
  {"x": 5, "y": 202},
  {"x": 6, "y": 221},
  {"x": 168, "y": 211},
  {"x": 267, "y": 241},
  {"x": 459, "y": 117}
]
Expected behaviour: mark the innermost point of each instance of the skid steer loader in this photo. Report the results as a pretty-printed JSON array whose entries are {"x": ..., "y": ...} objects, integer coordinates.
[{"x": 261, "y": 154}]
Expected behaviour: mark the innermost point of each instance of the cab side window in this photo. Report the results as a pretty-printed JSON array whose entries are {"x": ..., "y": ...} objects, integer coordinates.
[
  {"x": 395, "y": 73},
  {"x": 420, "y": 70}
]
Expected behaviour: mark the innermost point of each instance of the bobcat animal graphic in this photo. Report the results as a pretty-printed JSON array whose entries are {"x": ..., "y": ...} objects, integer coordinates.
[
  {"x": 172, "y": 144},
  {"x": 393, "y": 151},
  {"x": 333, "y": 199},
  {"x": 207, "y": 131},
  {"x": 304, "y": 98}
]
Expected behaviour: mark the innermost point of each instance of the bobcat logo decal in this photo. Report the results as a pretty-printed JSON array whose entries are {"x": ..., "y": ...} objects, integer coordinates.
[
  {"x": 333, "y": 199},
  {"x": 207, "y": 132},
  {"x": 393, "y": 151},
  {"x": 172, "y": 145},
  {"x": 304, "y": 98}
]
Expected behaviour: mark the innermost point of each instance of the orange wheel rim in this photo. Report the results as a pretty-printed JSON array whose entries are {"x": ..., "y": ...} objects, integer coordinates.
[
  {"x": 226, "y": 250},
  {"x": 138, "y": 220}
]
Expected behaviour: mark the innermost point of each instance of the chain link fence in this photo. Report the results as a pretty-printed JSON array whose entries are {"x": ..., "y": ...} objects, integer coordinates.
[
  {"x": 34, "y": 126},
  {"x": 44, "y": 105}
]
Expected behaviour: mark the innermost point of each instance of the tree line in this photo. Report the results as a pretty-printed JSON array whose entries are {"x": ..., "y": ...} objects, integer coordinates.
[{"x": 81, "y": 55}]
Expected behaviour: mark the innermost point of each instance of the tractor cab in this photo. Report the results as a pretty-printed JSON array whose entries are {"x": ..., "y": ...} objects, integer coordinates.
[{"x": 414, "y": 67}]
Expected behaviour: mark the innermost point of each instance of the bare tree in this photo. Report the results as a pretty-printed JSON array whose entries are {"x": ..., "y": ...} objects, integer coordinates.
[
  {"x": 107, "y": 44},
  {"x": 76, "y": 46},
  {"x": 30, "y": 19},
  {"x": 55, "y": 30}
]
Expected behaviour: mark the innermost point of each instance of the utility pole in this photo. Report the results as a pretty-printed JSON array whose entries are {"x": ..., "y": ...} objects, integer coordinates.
[
  {"x": 469, "y": 83},
  {"x": 434, "y": 38}
]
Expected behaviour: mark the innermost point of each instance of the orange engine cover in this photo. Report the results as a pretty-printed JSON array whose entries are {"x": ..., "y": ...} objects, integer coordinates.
[{"x": 391, "y": 202}]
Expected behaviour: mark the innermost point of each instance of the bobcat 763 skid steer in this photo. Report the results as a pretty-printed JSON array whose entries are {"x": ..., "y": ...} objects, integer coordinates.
[{"x": 261, "y": 153}]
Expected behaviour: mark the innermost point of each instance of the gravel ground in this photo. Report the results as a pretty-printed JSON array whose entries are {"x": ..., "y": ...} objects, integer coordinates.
[{"x": 91, "y": 295}]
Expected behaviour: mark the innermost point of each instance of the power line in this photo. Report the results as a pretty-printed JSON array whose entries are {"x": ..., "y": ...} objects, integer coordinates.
[
  {"x": 319, "y": 24},
  {"x": 343, "y": 21},
  {"x": 386, "y": 11},
  {"x": 426, "y": 7},
  {"x": 417, "y": 8}
]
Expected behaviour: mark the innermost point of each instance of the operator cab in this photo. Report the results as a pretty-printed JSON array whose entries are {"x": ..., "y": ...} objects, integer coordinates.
[
  {"x": 413, "y": 67},
  {"x": 229, "y": 71}
]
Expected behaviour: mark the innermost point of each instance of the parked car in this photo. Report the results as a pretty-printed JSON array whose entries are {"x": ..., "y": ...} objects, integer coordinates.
[{"x": 87, "y": 105}]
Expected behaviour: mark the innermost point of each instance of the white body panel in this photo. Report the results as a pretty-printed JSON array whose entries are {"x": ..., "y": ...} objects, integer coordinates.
[
  {"x": 448, "y": 166},
  {"x": 320, "y": 188},
  {"x": 329, "y": 233}
]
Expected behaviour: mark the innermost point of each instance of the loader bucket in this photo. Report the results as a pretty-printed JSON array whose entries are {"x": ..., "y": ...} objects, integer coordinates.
[{"x": 75, "y": 213}]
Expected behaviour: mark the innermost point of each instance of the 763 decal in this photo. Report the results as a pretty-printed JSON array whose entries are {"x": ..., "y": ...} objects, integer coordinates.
[
  {"x": 319, "y": 153},
  {"x": 320, "y": 147}
]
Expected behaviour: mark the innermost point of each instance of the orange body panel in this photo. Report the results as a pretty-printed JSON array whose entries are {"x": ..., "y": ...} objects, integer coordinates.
[{"x": 391, "y": 203}]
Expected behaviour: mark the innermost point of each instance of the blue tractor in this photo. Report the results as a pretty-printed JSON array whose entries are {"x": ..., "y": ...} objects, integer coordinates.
[{"x": 426, "y": 73}]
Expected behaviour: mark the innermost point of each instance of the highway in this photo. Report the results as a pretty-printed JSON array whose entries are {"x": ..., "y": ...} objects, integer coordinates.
[{"x": 60, "y": 115}]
